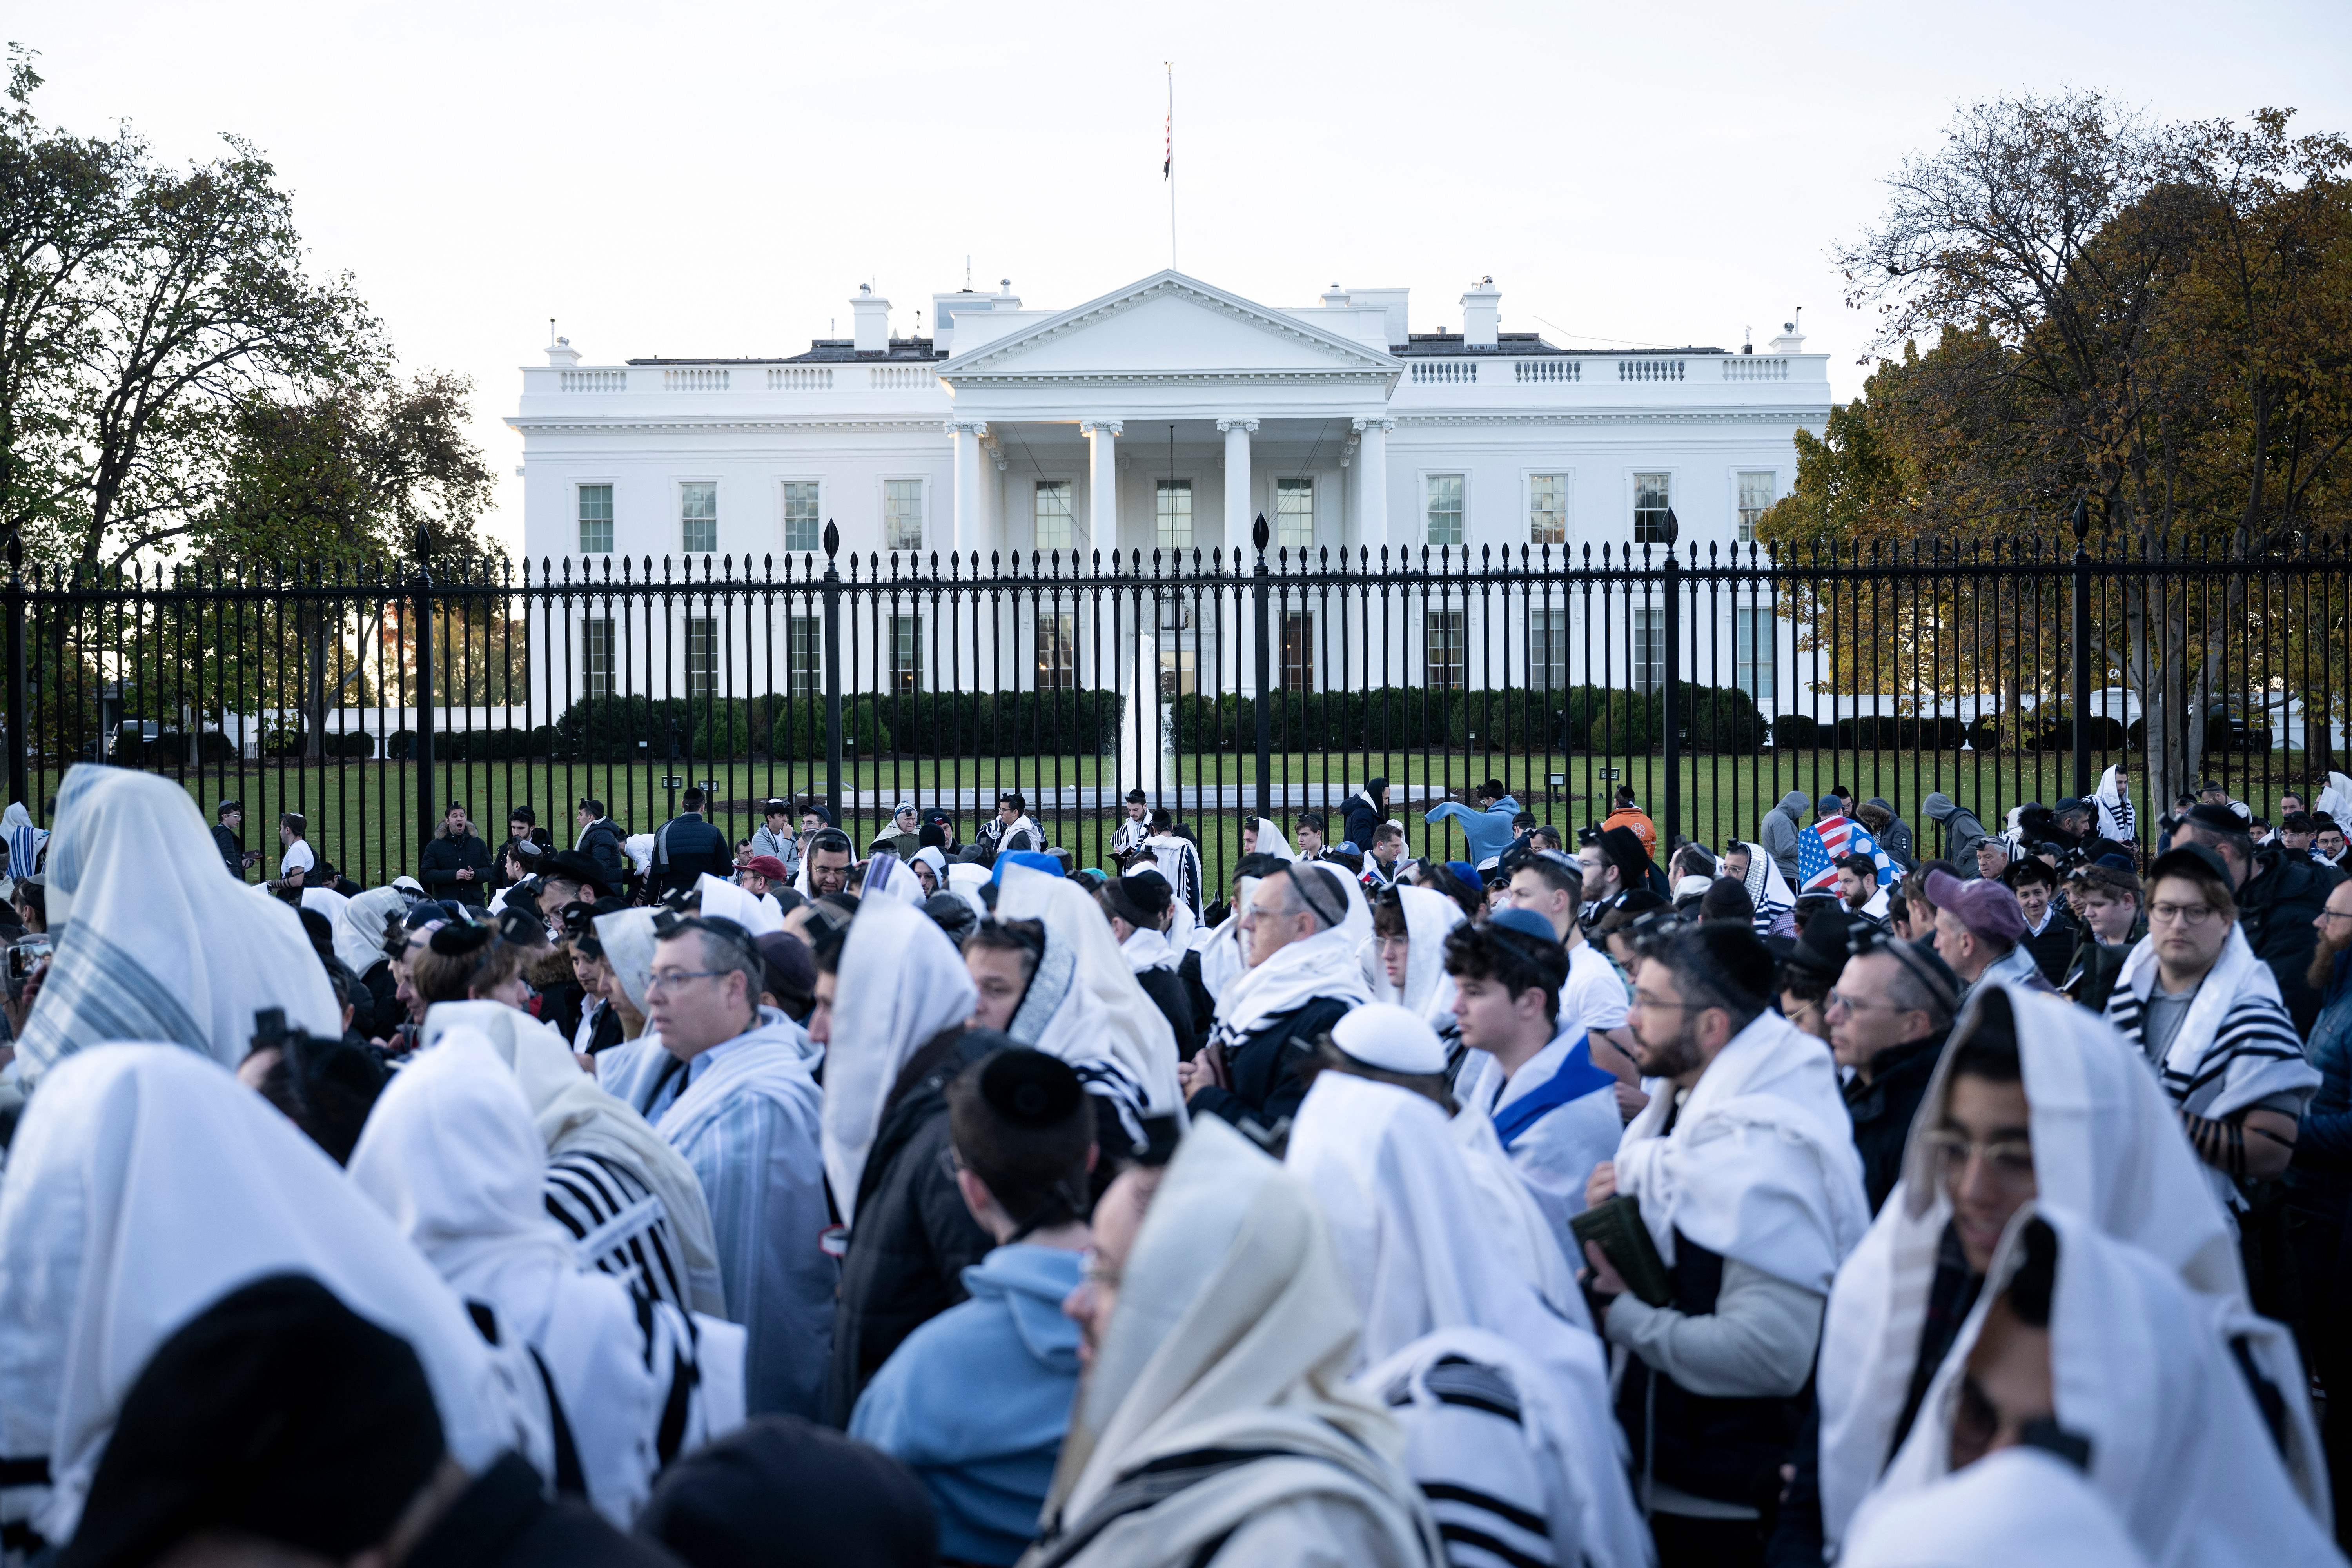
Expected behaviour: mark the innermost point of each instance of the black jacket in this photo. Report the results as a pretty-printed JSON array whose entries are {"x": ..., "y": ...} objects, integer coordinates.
[
  {"x": 441, "y": 862},
  {"x": 685, "y": 847},
  {"x": 1362, "y": 819},
  {"x": 539, "y": 836},
  {"x": 1167, "y": 994},
  {"x": 1883, "y": 1110},
  {"x": 2275, "y": 909},
  {"x": 1264, "y": 1069},
  {"x": 503, "y": 1519},
  {"x": 2053, "y": 949},
  {"x": 2091, "y": 975},
  {"x": 913, "y": 1238},
  {"x": 232, "y": 853},
  {"x": 601, "y": 842}
]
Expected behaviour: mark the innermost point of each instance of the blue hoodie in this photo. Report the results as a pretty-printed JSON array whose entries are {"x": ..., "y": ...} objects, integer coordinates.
[
  {"x": 976, "y": 1401},
  {"x": 1487, "y": 833}
]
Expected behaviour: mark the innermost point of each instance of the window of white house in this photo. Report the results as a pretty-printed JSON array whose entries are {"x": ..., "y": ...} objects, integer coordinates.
[
  {"x": 1442, "y": 504},
  {"x": 1653, "y": 505},
  {"x": 698, "y": 517},
  {"x": 701, "y": 657},
  {"x": 803, "y": 656},
  {"x": 1445, "y": 646},
  {"x": 595, "y": 520},
  {"x": 1548, "y": 649},
  {"x": 1649, "y": 646},
  {"x": 902, "y": 514},
  {"x": 1546, "y": 509},
  {"x": 1179, "y": 676},
  {"x": 1753, "y": 650},
  {"x": 1294, "y": 513},
  {"x": 1175, "y": 514},
  {"x": 906, "y": 653},
  {"x": 1055, "y": 528},
  {"x": 1057, "y": 650},
  {"x": 596, "y": 662},
  {"x": 1298, "y": 650},
  {"x": 804, "y": 528},
  {"x": 1755, "y": 495}
]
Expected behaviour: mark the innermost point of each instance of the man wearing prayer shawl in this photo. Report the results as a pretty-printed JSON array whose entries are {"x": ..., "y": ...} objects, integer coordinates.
[
  {"x": 451, "y": 1155},
  {"x": 1744, "y": 1171},
  {"x": 1301, "y": 929},
  {"x": 145, "y": 1184},
  {"x": 2094, "y": 1350},
  {"x": 1760, "y": 874},
  {"x": 1223, "y": 1373},
  {"x": 892, "y": 1000},
  {"x": 2038, "y": 1103},
  {"x": 1139, "y": 905},
  {"x": 152, "y": 943},
  {"x": 745, "y": 1116},
  {"x": 1505, "y": 1404}
]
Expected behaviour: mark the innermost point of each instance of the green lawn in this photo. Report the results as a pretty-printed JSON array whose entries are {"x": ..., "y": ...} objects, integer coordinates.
[{"x": 364, "y": 814}]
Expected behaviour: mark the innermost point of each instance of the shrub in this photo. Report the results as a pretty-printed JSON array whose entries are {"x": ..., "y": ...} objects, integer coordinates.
[{"x": 1795, "y": 731}]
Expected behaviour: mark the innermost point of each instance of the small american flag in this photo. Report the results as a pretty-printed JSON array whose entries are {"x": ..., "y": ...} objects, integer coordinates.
[{"x": 1820, "y": 846}]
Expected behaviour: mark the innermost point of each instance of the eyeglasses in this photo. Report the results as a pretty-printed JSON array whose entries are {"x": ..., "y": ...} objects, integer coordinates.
[
  {"x": 665, "y": 978},
  {"x": 2336, "y": 915},
  {"x": 1838, "y": 999},
  {"x": 2186, "y": 914},
  {"x": 2009, "y": 1160}
]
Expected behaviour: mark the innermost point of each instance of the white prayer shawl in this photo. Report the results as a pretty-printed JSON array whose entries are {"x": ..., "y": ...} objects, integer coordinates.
[
  {"x": 2019, "y": 1508},
  {"x": 901, "y": 981},
  {"x": 1516, "y": 1221},
  {"x": 574, "y": 1115},
  {"x": 2179, "y": 1447},
  {"x": 886, "y": 877},
  {"x": 964, "y": 877},
  {"x": 1429, "y": 917},
  {"x": 327, "y": 902},
  {"x": 1767, "y": 888},
  {"x": 1270, "y": 841},
  {"x": 1220, "y": 947},
  {"x": 1477, "y": 1446},
  {"x": 146, "y": 1184},
  {"x": 727, "y": 902},
  {"x": 1235, "y": 1331},
  {"x": 2335, "y": 797},
  {"x": 359, "y": 926},
  {"x": 932, "y": 855},
  {"x": 25, "y": 840},
  {"x": 2107, "y": 1146},
  {"x": 628, "y": 938},
  {"x": 1760, "y": 1165},
  {"x": 152, "y": 941},
  {"x": 1182, "y": 921},
  {"x": 1554, "y": 1156},
  {"x": 1147, "y": 949},
  {"x": 1402, "y": 1210},
  {"x": 1323, "y": 964},
  {"x": 2117, "y": 820},
  {"x": 450, "y": 1155},
  {"x": 640, "y": 849},
  {"x": 748, "y": 1122},
  {"x": 1104, "y": 1024},
  {"x": 1178, "y": 860}
]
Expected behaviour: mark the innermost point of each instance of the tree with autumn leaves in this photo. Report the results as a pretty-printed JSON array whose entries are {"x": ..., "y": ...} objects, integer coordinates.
[{"x": 2077, "y": 303}]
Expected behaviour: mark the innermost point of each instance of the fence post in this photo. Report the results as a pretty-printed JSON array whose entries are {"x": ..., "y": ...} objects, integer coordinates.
[
  {"x": 19, "y": 740},
  {"x": 1258, "y": 613},
  {"x": 421, "y": 600},
  {"x": 1669, "y": 716},
  {"x": 2081, "y": 651},
  {"x": 832, "y": 672}
]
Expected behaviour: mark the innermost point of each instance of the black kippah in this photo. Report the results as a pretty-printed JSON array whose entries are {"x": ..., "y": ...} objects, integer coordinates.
[
  {"x": 458, "y": 938},
  {"x": 1030, "y": 1088}
]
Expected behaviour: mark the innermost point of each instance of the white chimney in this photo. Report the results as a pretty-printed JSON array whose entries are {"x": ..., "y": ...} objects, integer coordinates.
[
  {"x": 870, "y": 321},
  {"x": 1335, "y": 298},
  {"x": 1482, "y": 315},
  {"x": 562, "y": 352},
  {"x": 1005, "y": 298},
  {"x": 1790, "y": 341}
]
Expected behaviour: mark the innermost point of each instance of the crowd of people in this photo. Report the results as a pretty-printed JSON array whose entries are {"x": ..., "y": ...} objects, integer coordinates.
[{"x": 657, "y": 1199}]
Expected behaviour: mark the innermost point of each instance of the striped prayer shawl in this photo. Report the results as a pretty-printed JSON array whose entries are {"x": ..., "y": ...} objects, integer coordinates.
[
  {"x": 618, "y": 1226},
  {"x": 2253, "y": 1031}
]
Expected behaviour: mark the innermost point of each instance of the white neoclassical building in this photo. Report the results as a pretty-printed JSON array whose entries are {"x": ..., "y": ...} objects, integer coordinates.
[{"x": 1168, "y": 413}]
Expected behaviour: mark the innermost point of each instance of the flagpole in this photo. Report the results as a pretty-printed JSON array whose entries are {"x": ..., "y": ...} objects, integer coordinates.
[{"x": 1171, "y": 169}]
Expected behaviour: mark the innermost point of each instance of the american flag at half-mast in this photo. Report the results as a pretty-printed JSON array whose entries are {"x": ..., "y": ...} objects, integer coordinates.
[{"x": 1820, "y": 846}]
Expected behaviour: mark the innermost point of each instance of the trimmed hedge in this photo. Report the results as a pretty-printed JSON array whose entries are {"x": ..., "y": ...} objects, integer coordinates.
[
  {"x": 1580, "y": 718},
  {"x": 640, "y": 728}
]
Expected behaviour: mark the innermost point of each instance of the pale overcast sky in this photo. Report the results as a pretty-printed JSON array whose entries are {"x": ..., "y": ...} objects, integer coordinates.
[{"x": 718, "y": 178}]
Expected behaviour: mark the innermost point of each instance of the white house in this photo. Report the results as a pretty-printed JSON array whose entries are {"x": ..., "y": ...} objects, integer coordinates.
[{"x": 1167, "y": 415}]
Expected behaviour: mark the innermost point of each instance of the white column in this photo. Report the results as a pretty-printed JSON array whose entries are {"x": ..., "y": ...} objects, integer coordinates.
[
  {"x": 966, "y": 433},
  {"x": 1238, "y": 521},
  {"x": 1373, "y": 485},
  {"x": 1102, "y": 482}
]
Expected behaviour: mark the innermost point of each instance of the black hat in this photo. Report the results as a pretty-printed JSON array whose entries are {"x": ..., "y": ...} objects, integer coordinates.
[
  {"x": 2195, "y": 860},
  {"x": 575, "y": 867},
  {"x": 277, "y": 1412},
  {"x": 951, "y": 915},
  {"x": 779, "y": 1490},
  {"x": 2214, "y": 819},
  {"x": 1821, "y": 950}
]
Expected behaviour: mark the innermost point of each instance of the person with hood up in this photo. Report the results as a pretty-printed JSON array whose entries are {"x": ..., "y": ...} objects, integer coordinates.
[
  {"x": 1505, "y": 1405},
  {"x": 1962, "y": 832},
  {"x": 976, "y": 1401},
  {"x": 450, "y": 1155},
  {"x": 2090, "y": 1348},
  {"x": 893, "y": 998},
  {"x": 1362, "y": 814},
  {"x": 1301, "y": 930},
  {"x": 152, "y": 943},
  {"x": 1893, "y": 837},
  {"x": 1743, "y": 1171},
  {"x": 1779, "y": 831},
  {"x": 1404, "y": 958},
  {"x": 1223, "y": 1338},
  {"x": 2034, "y": 1101},
  {"x": 741, "y": 1103},
  {"x": 144, "y": 1185}
]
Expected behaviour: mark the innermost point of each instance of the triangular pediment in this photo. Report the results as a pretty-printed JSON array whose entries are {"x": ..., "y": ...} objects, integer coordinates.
[{"x": 1168, "y": 325}]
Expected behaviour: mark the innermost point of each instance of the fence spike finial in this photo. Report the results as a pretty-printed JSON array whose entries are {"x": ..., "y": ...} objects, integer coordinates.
[
  {"x": 832, "y": 538},
  {"x": 1260, "y": 533}
]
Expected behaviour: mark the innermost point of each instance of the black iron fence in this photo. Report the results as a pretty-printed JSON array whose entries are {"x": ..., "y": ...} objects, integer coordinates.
[{"x": 1275, "y": 682}]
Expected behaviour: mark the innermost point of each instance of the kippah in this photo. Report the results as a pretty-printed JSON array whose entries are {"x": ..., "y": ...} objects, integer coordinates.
[
  {"x": 1030, "y": 1088},
  {"x": 459, "y": 938},
  {"x": 1527, "y": 922},
  {"x": 1395, "y": 1039},
  {"x": 1739, "y": 956}
]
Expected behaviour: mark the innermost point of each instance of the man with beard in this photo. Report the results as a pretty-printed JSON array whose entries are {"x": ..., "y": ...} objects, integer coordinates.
[{"x": 2319, "y": 1184}]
